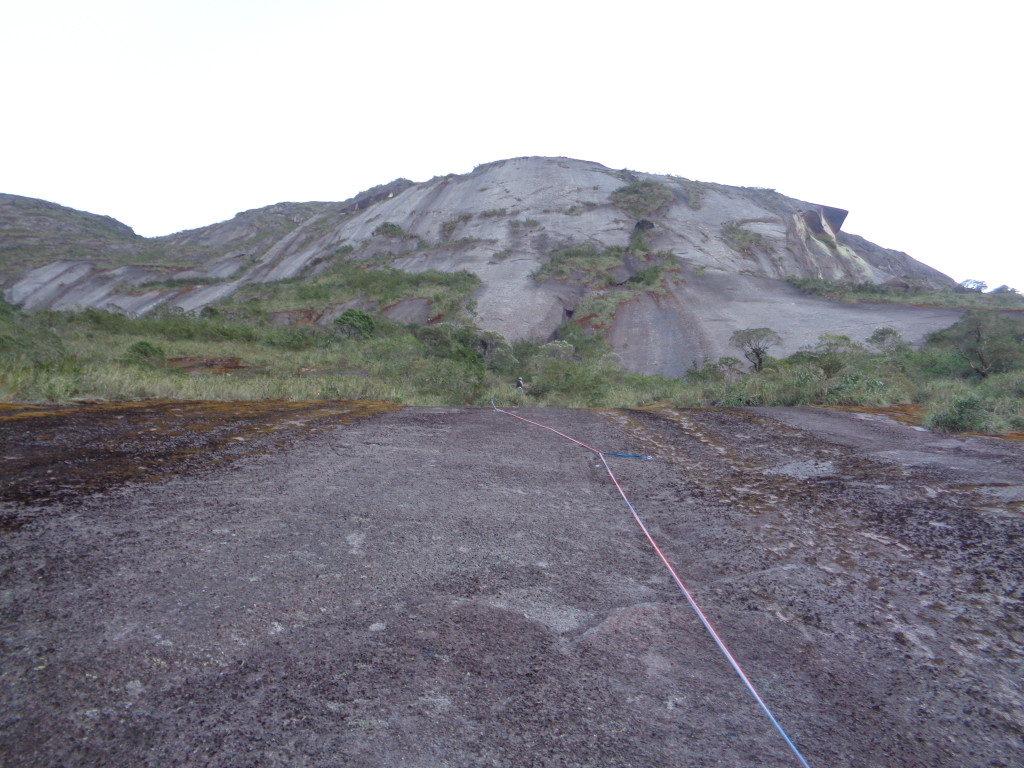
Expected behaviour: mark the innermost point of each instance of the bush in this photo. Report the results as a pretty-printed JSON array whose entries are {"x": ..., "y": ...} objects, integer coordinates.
[
  {"x": 449, "y": 227},
  {"x": 962, "y": 413},
  {"x": 356, "y": 323},
  {"x": 389, "y": 229},
  {"x": 572, "y": 382},
  {"x": 986, "y": 342},
  {"x": 641, "y": 199}
]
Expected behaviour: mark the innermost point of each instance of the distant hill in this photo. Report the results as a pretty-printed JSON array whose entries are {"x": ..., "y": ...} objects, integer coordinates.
[{"x": 666, "y": 267}]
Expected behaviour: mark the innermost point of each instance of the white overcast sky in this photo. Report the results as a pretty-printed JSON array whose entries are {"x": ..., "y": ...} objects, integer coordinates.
[{"x": 173, "y": 115}]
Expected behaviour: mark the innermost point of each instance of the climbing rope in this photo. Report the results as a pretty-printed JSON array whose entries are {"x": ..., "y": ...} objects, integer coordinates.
[
  {"x": 560, "y": 434},
  {"x": 675, "y": 577}
]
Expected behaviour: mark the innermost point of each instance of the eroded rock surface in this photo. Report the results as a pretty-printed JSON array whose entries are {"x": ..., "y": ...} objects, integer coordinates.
[
  {"x": 452, "y": 587},
  {"x": 722, "y": 252}
]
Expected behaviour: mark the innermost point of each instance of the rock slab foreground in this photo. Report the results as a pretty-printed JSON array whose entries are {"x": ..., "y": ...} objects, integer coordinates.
[{"x": 453, "y": 587}]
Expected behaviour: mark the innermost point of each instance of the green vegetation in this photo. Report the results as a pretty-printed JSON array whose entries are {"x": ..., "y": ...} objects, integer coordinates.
[
  {"x": 969, "y": 377},
  {"x": 345, "y": 281},
  {"x": 648, "y": 277},
  {"x": 755, "y": 343},
  {"x": 987, "y": 343},
  {"x": 910, "y": 292},
  {"x": 62, "y": 356},
  {"x": 516, "y": 224},
  {"x": 946, "y": 377},
  {"x": 494, "y": 212},
  {"x": 356, "y": 322},
  {"x": 641, "y": 199},
  {"x": 584, "y": 264},
  {"x": 389, "y": 229},
  {"x": 587, "y": 266},
  {"x": 695, "y": 192},
  {"x": 598, "y": 308},
  {"x": 449, "y": 227},
  {"x": 38, "y": 233},
  {"x": 741, "y": 239}
]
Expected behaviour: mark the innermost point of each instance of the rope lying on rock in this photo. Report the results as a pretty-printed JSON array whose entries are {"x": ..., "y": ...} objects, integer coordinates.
[{"x": 675, "y": 577}]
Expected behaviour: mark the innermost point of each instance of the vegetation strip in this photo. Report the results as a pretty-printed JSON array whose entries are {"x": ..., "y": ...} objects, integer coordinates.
[{"x": 340, "y": 338}]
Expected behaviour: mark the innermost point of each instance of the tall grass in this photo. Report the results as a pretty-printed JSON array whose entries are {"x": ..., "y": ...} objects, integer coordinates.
[
  {"x": 344, "y": 281},
  {"x": 62, "y": 356}
]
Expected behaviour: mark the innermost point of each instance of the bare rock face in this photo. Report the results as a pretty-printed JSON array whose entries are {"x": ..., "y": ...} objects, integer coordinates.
[{"x": 683, "y": 263}]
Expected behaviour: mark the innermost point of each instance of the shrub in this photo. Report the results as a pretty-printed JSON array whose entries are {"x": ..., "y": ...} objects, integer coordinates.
[
  {"x": 987, "y": 342},
  {"x": 961, "y": 413},
  {"x": 886, "y": 339},
  {"x": 558, "y": 350},
  {"x": 642, "y": 198},
  {"x": 575, "y": 382},
  {"x": 389, "y": 229},
  {"x": 145, "y": 353},
  {"x": 356, "y": 323},
  {"x": 449, "y": 227},
  {"x": 648, "y": 277}
]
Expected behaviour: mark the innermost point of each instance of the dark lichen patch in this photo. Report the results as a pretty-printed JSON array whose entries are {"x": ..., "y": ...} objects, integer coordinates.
[{"x": 95, "y": 446}]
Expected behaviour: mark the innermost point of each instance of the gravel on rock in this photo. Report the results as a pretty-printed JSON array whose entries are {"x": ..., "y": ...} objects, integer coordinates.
[{"x": 339, "y": 585}]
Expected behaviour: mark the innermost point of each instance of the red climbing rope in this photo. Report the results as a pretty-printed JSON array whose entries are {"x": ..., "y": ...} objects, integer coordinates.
[{"x": 679, "y": 582}]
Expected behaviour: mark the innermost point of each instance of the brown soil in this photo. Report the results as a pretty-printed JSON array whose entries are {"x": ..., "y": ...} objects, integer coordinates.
[{"x": 327, "y": 584}]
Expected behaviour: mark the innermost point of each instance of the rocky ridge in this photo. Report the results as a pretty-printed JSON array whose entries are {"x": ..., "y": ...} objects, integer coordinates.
[{"x": 682, "y": 263}]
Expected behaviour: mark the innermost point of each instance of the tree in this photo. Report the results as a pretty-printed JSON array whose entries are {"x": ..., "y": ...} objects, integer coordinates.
[
  {"x": 886, "y": 339},
  {"x": 754, "y": 343},
  {"x": 832, "y": 353},
  {"x": 986, "y": 341},
  {"x": 356, "y": 322}
]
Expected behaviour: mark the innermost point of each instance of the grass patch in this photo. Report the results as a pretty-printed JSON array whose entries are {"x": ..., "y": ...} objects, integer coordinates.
[
  {"x": 641, "y": 199},
  {"x": 582, "y": 263},
  {"x": 345, "y": 281},
  {"x": 49, "y": 356},
  {"x": 389, "y": 229},
  {"x": 448, "y": 228},
  {"x": 517, "y": 224},
  {"x": 743, "y": 240},
  {"x": 695, "y": 192}
]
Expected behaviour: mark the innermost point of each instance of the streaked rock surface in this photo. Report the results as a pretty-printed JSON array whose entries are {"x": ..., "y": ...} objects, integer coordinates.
[{"x": 501, "y": 222}]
